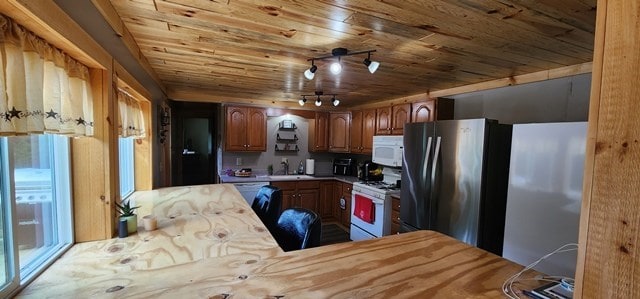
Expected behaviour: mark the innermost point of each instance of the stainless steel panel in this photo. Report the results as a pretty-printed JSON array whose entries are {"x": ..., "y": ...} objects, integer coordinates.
[
  {"x": 459, "y": 175},
  {"x": 415, "y": 207}
]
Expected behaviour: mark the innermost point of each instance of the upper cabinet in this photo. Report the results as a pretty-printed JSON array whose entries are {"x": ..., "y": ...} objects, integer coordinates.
[
  {"x": 339, "y": 132},
  {"x": 246, "y": 129},
  {"x": 319, "y": 132},
  {"x": 391, "y": 120},
  {"x": 363, "y": 127},
  {"x": 431, "y": 110}
]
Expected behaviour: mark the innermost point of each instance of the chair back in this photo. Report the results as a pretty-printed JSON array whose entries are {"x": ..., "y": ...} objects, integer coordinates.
[
  {"x": 267, "y": 205},
  {"x": 298, "y": 228}
]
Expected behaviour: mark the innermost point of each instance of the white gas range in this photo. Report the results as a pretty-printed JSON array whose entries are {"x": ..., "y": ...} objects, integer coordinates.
[{"x": 371, "y": 206}]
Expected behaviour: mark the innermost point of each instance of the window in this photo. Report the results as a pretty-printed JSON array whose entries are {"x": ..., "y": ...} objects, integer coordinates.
[
  {"x": 126, "y": 160},
  {"x": 35, "y": 206}
]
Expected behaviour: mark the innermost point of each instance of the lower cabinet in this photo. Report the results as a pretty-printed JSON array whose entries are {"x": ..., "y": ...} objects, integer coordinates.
[
  {"x": 304, "y": 194},
  {"x": 395, "y": 214},
  {"x": 342, "y": 198},
  {"x": 330, "y": 199}
]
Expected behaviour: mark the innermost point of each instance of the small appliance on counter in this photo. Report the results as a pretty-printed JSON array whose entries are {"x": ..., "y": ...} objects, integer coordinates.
[
  {"x": 371, "y": 172},
  {"x": 344, "y": 166}
]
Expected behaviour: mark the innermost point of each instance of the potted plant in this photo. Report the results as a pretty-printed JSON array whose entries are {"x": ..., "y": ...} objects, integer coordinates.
[{"x": 127, "y": 212}]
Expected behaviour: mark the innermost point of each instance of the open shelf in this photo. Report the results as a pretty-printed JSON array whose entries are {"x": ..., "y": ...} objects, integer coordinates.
[{"x": 287, "y": 149}]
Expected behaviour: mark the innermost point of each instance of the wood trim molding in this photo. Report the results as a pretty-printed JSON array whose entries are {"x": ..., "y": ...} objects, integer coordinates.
[{"x": 48, "y": 21}]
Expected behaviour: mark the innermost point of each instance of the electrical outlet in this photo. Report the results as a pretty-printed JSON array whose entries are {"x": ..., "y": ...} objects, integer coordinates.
[{"x": 238, "y": 161}]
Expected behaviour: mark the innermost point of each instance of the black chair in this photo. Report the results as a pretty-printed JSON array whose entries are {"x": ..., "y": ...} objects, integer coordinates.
[
  {"x": 298, "y": 228},
  {"x": 267, "y": 205}
]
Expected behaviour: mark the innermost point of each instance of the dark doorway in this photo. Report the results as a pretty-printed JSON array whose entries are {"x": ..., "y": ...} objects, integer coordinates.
[{"x": 193, "y": 146}]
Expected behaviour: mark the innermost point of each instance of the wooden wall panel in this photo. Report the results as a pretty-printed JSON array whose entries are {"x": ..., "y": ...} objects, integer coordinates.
[
  {"x": 92, "y": 197},
  {"x": 608, "y": 260}
]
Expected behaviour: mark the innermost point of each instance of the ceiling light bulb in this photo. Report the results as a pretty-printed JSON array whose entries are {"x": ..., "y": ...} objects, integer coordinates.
[
  {"x": 310, "y": 73},
  {"x": 336, "y": 67},
  {"x": 335, "y": 101},
  {"x": 318, "y": 102},
  {"x": 302, "y": 101}
]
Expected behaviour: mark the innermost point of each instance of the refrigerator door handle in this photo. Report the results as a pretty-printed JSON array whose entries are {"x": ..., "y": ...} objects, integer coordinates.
[
  {"x": 436, "y": 155},
  {"x": 425, "y": 165}
]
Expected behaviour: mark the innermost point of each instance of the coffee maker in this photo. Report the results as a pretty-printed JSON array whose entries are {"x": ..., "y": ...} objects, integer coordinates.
[{"x": 370, "y": 171}]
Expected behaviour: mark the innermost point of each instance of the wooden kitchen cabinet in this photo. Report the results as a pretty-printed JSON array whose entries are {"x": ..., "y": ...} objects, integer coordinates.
[
  {"x": 363, "y": 127},
  {"x": 431, "y": 110},
  {"x": 342, "y": 208},
  {"x": 304, "y": 194},
  {"x": 339, "y": 132},
  {"x": 319, "y": 132},
  {"x": 391, "y": 120},
  {"x": 326, "y": 203},
  {"x": 245, "y": 129},
  {"x": 395, "y": 214}
]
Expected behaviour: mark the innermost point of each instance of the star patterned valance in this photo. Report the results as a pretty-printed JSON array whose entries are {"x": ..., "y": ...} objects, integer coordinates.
[{"x": 41, "y": 88}]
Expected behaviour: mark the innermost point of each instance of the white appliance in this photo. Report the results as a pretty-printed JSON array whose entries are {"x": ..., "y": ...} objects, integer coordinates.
[
  {"x": 387, "y": 150},
  {"x": 380, "y": 195},
  {"x": 545, "y": 194},
  {"x": 249, "y": 190}
]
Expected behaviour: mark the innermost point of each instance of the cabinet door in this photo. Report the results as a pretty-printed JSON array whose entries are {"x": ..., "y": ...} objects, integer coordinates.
[
  {"x": 337, "y": 194},
  {"x": 288, "y": 193},
  {"x": 383, "y": 121},
  {"x": 423, "y": 111},
  {"x": 308, "y": 199},
  {"x": 318, "y": 133},
  {"x": 257, "y": 130},
  {"x": 326, "y": 202},
  {"x": 356, "y": 131},
  {"x": 368, "y": 130},
  {"x": 401, "y": 114},
  {"x": 346, "y": 213},
  {"x": 236, "y": 121},
  {"x": 339, "y": 132}
]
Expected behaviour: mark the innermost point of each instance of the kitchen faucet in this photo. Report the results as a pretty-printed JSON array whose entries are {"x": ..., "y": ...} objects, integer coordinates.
[{"x": 285, "y": 167}]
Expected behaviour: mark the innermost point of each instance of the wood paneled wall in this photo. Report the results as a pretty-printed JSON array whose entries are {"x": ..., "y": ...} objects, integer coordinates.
[{"x": 608, "y": 258}]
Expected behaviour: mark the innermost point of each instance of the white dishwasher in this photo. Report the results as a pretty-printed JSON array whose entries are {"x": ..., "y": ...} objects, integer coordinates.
[{"x": 249, "y": 190}]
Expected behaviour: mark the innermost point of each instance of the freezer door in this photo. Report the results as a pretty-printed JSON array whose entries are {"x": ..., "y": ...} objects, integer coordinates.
[
  {"x": 458, "y": 177},
  {"x": 415, "y": 203}
]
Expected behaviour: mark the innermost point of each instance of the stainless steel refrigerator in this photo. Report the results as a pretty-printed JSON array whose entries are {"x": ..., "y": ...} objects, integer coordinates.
[{"x": 454, "y": 180}]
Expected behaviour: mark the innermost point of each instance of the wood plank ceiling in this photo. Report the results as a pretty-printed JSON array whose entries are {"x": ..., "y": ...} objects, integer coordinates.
[{"x": 227, "y": 50}]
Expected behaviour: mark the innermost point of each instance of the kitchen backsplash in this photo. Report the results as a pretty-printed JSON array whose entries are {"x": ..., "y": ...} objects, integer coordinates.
[{"x": 259, "y": 162}]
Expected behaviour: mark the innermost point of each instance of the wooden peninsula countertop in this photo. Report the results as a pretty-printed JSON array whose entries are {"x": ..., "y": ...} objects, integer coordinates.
[{"x": 210, "y": 244}]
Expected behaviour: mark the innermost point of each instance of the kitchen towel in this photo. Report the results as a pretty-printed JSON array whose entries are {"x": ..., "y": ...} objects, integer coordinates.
[
  {"x": 364, "y": 209},
  {"x": 310, "y": 164}
]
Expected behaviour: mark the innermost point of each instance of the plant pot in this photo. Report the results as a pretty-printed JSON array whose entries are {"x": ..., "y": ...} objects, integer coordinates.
[{"x": 132, "y": 223}]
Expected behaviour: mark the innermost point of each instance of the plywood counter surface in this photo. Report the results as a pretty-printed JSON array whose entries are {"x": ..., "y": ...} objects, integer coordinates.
[{"x": 211, "y": 245}]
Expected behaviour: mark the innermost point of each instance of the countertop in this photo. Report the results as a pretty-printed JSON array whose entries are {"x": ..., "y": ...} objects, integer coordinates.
[
  {"x": 210, "y": 244},
  {"x": 265, "y": 178}
]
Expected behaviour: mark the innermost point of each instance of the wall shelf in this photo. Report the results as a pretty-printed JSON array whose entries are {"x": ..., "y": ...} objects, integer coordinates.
[
  {"x": 287, "y": 148},
  {"x": 280, "y": 139}
]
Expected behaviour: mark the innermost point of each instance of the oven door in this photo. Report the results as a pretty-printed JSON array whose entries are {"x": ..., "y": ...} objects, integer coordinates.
[{"x": 361, "y": 229}]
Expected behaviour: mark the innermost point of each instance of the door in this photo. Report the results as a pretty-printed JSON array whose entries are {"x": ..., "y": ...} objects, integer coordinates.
[
  {"x": 423, "y": 111},
  {"x": 459, "y": 175},
  {"x": 339, "y": 132},
  {"x": 416, "y": 207},
  {"x": 383, "y": 121},
  {"x": 236, "y": 122},
  {"x": 257, "y": 130},
  {"x": 400, "y": 115},
  {"x": 368, "y": 129},
  {"x": 356, "y": 131}
]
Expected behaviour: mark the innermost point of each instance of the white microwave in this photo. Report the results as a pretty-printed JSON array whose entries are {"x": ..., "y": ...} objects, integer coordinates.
[{"x": 387, "y": 150}]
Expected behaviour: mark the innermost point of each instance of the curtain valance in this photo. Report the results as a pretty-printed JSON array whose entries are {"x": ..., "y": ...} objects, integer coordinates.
[
  {"x": 42, "y": 89},
  {"x": 131, "y": 117}
]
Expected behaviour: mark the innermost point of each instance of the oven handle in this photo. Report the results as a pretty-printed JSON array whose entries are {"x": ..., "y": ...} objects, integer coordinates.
[{"x": 376, "y": 201}]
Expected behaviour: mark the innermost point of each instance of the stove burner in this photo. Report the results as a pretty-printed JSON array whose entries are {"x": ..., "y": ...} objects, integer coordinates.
[{"x": 380, "y": 185}]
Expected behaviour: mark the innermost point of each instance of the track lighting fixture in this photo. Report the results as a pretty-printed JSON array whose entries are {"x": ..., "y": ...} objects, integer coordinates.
[
  {"x": 371, "y": 65},
  {"x": 318, "y": 101},
  {"x": 336, "y": 67},
  {"x": 335, "y": 101},
  {"x": 311, "y": 72}
]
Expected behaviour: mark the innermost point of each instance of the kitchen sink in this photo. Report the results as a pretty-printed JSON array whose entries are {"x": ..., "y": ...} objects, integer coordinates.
[{"x": 289, "y": 177}]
